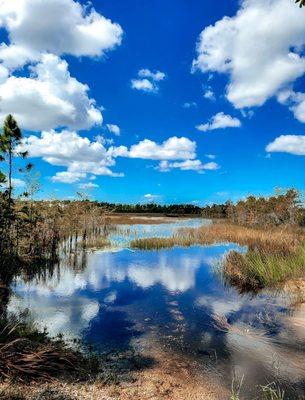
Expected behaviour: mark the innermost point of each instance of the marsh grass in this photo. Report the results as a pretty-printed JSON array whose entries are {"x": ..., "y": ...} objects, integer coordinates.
[
  {"x": 255, "y": 270},
  {"x": 161, "y": 243},
  {"x": 280, "y": 241}
]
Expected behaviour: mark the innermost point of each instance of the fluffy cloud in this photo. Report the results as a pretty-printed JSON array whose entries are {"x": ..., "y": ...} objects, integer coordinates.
[
  {"x": 187, "y": 165},
  {"x": 114, "y": 129},
  {"x": 88, "y": 185},
  {"x": 295, "y": 101},
  {"x": 49, "y": 98},
  {"x": 173, "y": 148},
  {"x": 77, "y": 153},
  {"x": 85, "y": 159},
  {"x": 68, "y": 177},
  {"x": 260, "y": 48},
  {"x": 151, "y": 197},
  {"x": 220, "y": 121},
  {"x": 155, "y": 76},
  {"x": 147, "y": 81},
  {"x": 143, "y": 84},
  {"x": 293, "y": 144},
  {"x": 44, "y": 96},
  {"x": 57, "y": 26},
  {"x": 209, "y": 94}
]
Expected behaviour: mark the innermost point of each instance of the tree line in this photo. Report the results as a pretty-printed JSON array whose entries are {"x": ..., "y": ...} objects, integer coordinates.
[{"x": 281, "y": 209}]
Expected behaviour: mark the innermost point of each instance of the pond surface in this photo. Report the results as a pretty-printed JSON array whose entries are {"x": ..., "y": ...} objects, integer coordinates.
[{"x": 175, "y": 298}]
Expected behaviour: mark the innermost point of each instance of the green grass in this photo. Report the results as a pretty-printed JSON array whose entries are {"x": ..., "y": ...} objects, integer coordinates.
[
  {"x": 258, "y": 269},
  {"x": 272, "y": 392}
]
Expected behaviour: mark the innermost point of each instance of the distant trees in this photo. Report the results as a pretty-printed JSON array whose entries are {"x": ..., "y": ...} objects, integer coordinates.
[
  {"x": 276, "y": 210},
  {"x": 172, "y": 209}
]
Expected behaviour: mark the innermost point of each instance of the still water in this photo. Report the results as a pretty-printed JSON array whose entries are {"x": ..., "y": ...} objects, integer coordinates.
[{"x": 118, "y": 298}]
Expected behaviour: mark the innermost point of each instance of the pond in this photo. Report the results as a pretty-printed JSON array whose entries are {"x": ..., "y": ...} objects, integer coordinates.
[{"x": 171, "y": 302}]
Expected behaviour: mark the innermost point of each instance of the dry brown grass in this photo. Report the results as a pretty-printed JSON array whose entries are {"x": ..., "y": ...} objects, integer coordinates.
[
  {"x": 274, "y": 240},
  {"x": 22, "y": 357},
  {"x": 277, "y": 240}
]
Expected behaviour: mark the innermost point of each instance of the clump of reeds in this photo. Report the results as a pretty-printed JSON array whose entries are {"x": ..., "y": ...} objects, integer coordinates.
[
  {"x": 272, "y": 392},
  {"x": 255, "y": 270},
  {"x": 160, "y": 243}
]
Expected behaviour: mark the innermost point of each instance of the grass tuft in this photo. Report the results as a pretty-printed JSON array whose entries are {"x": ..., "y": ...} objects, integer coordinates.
[
  {"x": 256, "y": 270},
  {"x": 272, "y": 392}
]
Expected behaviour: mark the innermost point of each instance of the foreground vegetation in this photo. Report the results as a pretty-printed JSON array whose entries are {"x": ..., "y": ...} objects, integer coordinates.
[{"x": 26, "y": 353}]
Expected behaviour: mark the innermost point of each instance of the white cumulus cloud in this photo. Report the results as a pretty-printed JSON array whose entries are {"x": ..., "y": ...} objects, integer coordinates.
[
  {"x": 293, "y": 144},
  {"x": 151, "y": 197},
  {"x": 155, "y": 76},
  {"x": 43, "y": 95},
  {"x": 88, "y": 185},
  {"x": 173, "y": 148},
  {"x": 187, "y": 165},
  {"x": 148, "y": 81},
  {"x": 49, "y": 98},
  {"x": 78, "y": 154},
  {"x": 115, "y": 129},
  {"x": 260, "y": 49},
  {"x": 57, "y": 26},
  {"x": 85, "y": 159},
  {"x": 220, "y": 121}
]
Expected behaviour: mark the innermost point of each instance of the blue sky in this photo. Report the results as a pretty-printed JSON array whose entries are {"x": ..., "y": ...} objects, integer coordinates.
[{"x": 252, "y": 94}]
